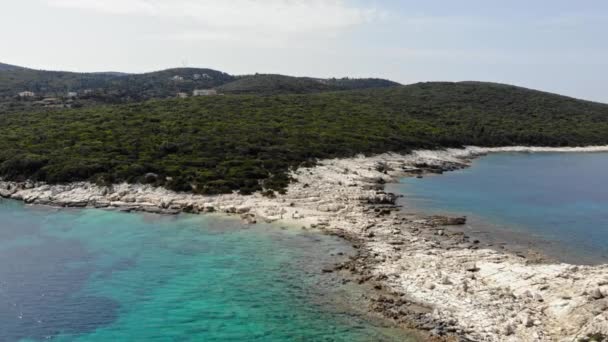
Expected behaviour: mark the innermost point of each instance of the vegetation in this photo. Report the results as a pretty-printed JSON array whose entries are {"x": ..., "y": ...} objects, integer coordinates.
[
  {"x": 110, "y": 86},
  {"x": 261, "y": 84},
  {"x": 6, "y": 67},
  {"x": 116, "y": 88},
  {"x": 219, "y": 144},
  {"x": 597, "y": 337},
  {"x": 359, "y": 83}
]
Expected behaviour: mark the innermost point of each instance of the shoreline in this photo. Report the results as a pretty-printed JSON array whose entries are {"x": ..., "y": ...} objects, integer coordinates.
[
  {"x": 506, "y": 237},
  {"x": 425, "y": 276}
]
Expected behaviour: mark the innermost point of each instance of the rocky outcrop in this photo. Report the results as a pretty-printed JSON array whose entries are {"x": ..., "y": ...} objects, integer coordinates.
[{"x": 421, "y": 273}]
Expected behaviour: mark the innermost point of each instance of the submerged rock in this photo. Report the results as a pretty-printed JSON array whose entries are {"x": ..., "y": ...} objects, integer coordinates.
[{"x": 448, "y": 221}]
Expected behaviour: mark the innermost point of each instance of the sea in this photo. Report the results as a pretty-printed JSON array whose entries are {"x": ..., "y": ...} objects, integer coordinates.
[
  {"x": 554, "y": 202},
  {"x": 97, "y": 275}
]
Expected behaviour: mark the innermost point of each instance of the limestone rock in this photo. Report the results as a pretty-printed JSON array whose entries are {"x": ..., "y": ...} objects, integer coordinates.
[{"x": 597, "y": 294}]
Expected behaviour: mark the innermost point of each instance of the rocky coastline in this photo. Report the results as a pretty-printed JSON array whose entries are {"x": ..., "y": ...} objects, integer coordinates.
[{"x": 424, "y": 276}]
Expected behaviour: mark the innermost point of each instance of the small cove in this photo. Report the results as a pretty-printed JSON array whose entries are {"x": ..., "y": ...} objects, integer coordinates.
[
  {"x": 95, "y": 275},
  {"x": 556, "y": 202}
]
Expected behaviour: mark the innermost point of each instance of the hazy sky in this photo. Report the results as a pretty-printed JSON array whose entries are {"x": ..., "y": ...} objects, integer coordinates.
[{"x": 554, "y": 45}]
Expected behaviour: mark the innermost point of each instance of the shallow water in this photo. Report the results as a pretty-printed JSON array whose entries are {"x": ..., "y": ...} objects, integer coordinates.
[
  {"x": 93, "y": 275},
  {"x": 559, "y": 199}
]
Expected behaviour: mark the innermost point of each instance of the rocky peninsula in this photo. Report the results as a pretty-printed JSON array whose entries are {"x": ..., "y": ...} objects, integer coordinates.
[{"x": 423, "y": 275}]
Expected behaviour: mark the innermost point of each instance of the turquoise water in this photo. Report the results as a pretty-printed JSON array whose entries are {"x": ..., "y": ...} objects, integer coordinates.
[
  {"x": 92, "y": 275},
  {"x": 561, "y": 198}
]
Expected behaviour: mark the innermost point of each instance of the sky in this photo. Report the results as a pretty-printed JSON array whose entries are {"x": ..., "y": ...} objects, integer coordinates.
[{"x": 559, "y": 46}]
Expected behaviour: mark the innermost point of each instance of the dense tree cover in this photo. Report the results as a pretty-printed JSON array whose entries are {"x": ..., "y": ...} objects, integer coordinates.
[
  {"x": 166, "y": 83},
  {"x": 269, "y": 84},
  {"x": 219, "y": 144},
  {"x": 13, "y": 81},
  {"x": 101, "y": 88},
  {"x": 157, "y": 84},
  {"x": 359, "y": 83},
  {"x": 117, "y": 88}
]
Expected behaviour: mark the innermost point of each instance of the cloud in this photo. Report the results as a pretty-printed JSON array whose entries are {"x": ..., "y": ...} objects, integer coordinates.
[{"x": 298, "y": 16}]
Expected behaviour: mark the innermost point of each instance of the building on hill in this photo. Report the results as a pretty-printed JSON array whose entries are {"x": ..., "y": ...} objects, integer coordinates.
[
  {"x": 177, "y": 78},
  {"x": 27, "y": 94},
  {"x": 204, "y": 92},
  {"x": 182, "y": 95},
  {"x": 72, "y": 94},
  {"x": 202, "y": 76}
]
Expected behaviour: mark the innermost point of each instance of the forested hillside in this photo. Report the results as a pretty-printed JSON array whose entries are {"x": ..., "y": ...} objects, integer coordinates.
[
  {"x": 6, "y": 67},
  {"x": 164, "y": 83},
  {"x": 264, "y": 84},
  {"x": 114, "y": 88},
  {"x": 248, "y": 143}
]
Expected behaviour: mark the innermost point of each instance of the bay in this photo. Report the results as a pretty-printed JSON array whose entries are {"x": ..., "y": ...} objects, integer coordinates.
[{"x": 94, "y": 275}]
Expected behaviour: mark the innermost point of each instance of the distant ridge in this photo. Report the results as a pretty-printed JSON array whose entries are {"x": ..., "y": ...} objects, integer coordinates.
[
  {"x": 281, "y": 84},
  {"x": 510, "y": 87},
  {"x": 116, "y": 87},
  {"x": 111, "y": 73},
  {"x": 9, "y": 67}
]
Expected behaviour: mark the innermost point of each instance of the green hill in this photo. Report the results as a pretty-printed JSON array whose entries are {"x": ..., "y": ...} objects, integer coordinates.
[
  {"x": 273, "y": 84},
  {"x": 158, "y": 84},
  {"x": 223, "y": 143},
  {"x": 360, "y": 83},
  {"x": 7, "y": 67},
  {"x": 113, "y": 87},
  {"x": 164, "y": 84},
  {"x": 102, "y": 87},
  {"x": 118, "y": 88},
  {"x": 51, "y": 83},
  {"x": 268, "y": 84}
]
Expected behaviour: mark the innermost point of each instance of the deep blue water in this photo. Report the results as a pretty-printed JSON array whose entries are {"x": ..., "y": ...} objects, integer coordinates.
[
  {"x": 92, "y": 275},
  {"x": 561, "y": 198}
]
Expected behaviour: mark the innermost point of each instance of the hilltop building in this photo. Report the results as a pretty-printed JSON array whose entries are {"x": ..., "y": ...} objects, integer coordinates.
[
  {"x": 72, "y": 94},
  {"x": 182, "y": 95},
  {"x": 202, "y": 76}
]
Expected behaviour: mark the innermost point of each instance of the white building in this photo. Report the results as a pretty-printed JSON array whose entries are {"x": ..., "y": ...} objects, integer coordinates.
[
  {"x": 26, "y": 94},
  {"x": 72, "y": 94},
  {"x": 204, "y": 92},
  {"x": 177, "y": 78},
  {"x": 182, "y": 95}
]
